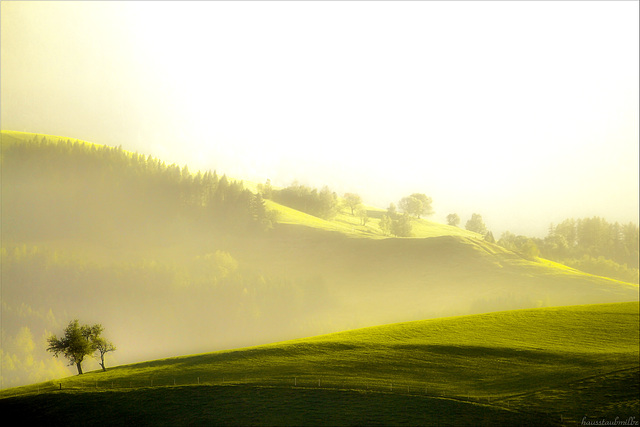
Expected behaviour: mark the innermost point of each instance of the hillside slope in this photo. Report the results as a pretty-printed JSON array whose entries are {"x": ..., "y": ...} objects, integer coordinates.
[
  {"x": 173, "y": 262},
  {"x": 395, "y": 279},
  {"x": 552, "y": 365}
]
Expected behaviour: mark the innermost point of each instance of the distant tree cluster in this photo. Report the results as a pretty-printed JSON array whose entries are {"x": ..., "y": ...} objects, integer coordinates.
[
  {"x": 353, "y": 202},
  {"x": 595, "y": 246},
  {"x": 475, "y": 224},
  {"x": 396, "y": 224},
  {"x": 322, "y": 203},
  {"x": 592, "y": 245},
  {"x": 522, "y": 245},
  {"x": 594, "y": 237}
]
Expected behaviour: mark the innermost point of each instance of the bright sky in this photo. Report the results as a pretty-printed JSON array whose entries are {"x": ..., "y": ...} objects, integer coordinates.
[{"x": 524, "y": 112}]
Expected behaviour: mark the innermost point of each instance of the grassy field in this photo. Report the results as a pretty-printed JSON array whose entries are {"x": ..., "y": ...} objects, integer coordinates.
[{"x": 541, "y": 366}]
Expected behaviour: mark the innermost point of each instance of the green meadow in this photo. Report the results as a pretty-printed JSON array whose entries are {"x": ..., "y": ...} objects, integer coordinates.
[{"x": 549, "y": 366}]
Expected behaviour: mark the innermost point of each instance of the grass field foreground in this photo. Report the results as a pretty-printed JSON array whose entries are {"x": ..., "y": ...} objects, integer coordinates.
[{"x": 549, "y": 365}]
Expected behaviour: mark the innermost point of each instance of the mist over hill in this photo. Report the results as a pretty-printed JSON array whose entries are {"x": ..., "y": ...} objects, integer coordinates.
[{"x": 175, "y": 262}]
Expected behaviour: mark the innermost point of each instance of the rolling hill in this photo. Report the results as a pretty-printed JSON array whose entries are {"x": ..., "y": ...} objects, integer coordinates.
[
  {"x": 171, "y": 262},
  {"x": 549, "y": 366}
]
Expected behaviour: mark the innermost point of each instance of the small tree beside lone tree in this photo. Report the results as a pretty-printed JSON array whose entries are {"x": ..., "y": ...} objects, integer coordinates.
[
  {"x": 78, "y": 342},
  {"x": 101, "y": 345}
]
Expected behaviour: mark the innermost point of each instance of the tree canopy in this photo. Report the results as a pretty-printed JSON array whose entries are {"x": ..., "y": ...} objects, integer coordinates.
[
  {"x": 401, "y": 226},
  {"x": 100, "y": 345},
  {"x": 78, "y": 342},
  {"x": 417, "y": 204},
  {"x": 352, "y": 201},
  {"x": 476, "y": 224},
  {"x": 323, "y": 203},
  {"x": 453, "y": 219}
]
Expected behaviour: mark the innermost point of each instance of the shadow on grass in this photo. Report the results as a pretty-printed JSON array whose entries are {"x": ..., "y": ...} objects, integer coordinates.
[
  {"x": 219, "y": 405},
  {"x": 469, "y": 351}
]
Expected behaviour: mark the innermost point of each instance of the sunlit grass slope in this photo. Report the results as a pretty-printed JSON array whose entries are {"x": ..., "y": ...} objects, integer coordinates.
[
  {"x": 531, "y": 363},
  {"x": 388, "y": 280},
  {"x": 351, "y": 225}
]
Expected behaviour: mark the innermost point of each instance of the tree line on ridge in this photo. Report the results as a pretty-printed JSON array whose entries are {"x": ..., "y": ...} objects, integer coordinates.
[{"x": 86, "y": 189}]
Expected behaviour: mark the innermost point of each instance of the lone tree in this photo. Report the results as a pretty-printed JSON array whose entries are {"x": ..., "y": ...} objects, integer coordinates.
[
  {"x": 476, "y": 224},
  {"x": 363, "y": 214},
  {"x": 453, "y": 219},
  {"x": 78, "y": 342},
  {"x": 352, "y": 201}
]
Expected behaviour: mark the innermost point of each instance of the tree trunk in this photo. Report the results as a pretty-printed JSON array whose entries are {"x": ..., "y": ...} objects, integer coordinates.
[{"x": 79, "y": 366}]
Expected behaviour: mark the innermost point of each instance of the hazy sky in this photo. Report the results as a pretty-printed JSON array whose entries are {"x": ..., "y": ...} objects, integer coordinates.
[{"x": 525, "y": 112}]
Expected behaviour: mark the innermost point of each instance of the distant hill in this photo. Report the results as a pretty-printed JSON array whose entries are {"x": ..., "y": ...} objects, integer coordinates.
[
  {"x": 549, "y": 366},
  {"x": 173, "y": 261}
]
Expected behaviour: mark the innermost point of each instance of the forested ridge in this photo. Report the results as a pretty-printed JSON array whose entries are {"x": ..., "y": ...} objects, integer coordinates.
[{"x": 118, "y": 191}]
